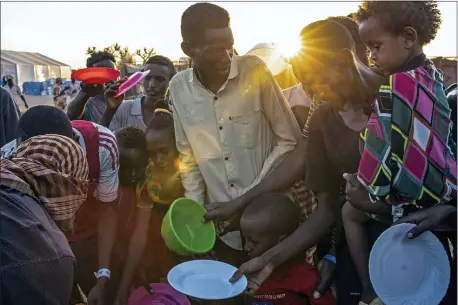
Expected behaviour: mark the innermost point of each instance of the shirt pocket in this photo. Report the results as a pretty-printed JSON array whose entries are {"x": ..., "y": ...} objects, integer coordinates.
[{"x": 246, "y": 129}]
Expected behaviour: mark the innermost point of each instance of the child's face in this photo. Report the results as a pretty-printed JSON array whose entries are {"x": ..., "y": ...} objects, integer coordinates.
[
  {"x": 258, "y": 239},
  {"x": 388, "y": 51},
  {"x": 132, "y": 165},
  {"x": 161, "y": 148}
]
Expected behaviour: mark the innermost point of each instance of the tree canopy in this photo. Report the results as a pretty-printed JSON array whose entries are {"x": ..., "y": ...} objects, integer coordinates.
[{"x": 124, "y": 55}]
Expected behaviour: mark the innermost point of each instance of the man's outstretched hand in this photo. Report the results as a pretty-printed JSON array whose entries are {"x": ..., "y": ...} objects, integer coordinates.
[
  {"x": 112, "y": 101},
  {"x": 427, "y": 219},
  {"x": 257, "y": 272},
  {"x": 222, "y": 210}
]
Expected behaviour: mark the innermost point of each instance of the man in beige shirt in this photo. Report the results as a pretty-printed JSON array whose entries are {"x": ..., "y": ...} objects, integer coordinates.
[{"x": 232, "y": 122}]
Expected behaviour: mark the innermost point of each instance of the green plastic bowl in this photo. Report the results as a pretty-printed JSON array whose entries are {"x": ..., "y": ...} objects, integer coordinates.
[{"x": 183, "y": 230}]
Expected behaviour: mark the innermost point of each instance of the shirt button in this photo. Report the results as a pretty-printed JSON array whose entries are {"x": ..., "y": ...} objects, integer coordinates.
[
  {"x": 226, "y": 158},
  {"x": 230, "y": 118},
  {"x": 232, "y": 185},
  {"x": 215, "y": 98},
  {"x": 221, "y": 128}
]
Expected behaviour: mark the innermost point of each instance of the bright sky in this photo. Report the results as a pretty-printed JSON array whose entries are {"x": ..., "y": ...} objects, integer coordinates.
[{"x": 64, "y": 30}]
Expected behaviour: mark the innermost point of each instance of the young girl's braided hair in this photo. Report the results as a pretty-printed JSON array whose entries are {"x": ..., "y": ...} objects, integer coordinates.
[{"x": 162, "y": 118}]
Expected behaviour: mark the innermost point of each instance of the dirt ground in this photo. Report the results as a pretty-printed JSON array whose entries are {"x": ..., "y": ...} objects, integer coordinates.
[{"x": 33, "y": 100}]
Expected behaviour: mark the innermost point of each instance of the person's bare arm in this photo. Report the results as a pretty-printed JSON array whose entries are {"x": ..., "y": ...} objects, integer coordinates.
[
  {"x": 107, "y": 234},
  {"x": 107, "y": 194},
  {"x": 137, "y": 245},
  {"x": 76, "y": 106},
  {"x": 309, "y": 233},
  {"x": 113, "y": 104},
  {"x": 19, "y": 92}
]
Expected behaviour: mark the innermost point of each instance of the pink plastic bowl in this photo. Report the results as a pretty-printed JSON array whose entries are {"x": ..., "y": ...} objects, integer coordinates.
[{"x": 163, "y": 294}]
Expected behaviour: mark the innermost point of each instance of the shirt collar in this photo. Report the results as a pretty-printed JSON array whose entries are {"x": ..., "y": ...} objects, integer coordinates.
[{"x": 413, "y": 63}]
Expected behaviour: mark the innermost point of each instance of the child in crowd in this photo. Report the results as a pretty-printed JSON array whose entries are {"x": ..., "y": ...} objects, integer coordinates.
[
  {"x": 264, "y": 223},
  {"x": 149, "y": 195},
  {"x": 407, "y": 163}
]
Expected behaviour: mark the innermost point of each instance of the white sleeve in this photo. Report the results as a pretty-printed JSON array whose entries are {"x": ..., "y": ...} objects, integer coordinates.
[
  {"x": 107, "y": 189},
  {"x": 8, "y": 149}
]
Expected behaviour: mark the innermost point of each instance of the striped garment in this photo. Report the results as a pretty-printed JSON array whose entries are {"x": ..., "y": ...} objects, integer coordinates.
[
  {"x": 301, "y": 195},
  {"x": 407, "y": 160},
  {"x": 107, "y": 180},
  {"x": 52, "y": 169}
]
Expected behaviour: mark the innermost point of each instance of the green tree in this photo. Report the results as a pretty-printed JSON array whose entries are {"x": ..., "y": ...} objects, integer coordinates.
[
  {"x": 121, "y": 54},
  {"x": 145, "y": 54}
]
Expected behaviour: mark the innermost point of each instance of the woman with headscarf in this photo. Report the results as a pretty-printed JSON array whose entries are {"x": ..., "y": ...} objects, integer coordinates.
[{"x": 42, "y": 186}]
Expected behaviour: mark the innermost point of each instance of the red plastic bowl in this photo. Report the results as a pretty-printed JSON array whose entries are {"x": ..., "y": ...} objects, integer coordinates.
[{"x": 96, "y": 76}]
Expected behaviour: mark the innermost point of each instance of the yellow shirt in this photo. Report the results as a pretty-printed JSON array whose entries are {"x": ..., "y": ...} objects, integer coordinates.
[{"x": 230, "y": 141}]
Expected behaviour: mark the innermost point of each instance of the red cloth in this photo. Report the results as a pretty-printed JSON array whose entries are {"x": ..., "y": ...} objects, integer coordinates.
[
  {"x": 292, "y": 284},
  {"x": 87, "y": 217}
]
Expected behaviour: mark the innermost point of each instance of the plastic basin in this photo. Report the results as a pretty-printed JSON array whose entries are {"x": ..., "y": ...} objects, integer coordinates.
[
  {"x": 183, "y": 230},
  {"x": 160, "y": 294}
]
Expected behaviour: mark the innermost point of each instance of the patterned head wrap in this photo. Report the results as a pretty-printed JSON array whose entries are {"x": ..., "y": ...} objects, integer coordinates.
[{"x": 52, "y": 169}]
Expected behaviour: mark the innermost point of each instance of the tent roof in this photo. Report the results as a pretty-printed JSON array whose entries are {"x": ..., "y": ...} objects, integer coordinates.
[{"x": 29, "y": 58}]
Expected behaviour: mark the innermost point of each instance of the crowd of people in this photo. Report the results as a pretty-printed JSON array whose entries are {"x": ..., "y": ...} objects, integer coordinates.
[{"x": 83, "y": 191}]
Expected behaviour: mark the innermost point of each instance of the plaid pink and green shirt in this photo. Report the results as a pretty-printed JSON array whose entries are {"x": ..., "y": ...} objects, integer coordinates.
[{"x": 408, "y": 158}]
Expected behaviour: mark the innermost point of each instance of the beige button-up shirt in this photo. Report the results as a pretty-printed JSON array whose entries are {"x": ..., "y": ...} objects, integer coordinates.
[{"x": 231, "y": 140}]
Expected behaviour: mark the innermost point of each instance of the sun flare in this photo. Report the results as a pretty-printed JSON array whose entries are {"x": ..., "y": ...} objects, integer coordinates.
[{"x": 290, "y": 48}]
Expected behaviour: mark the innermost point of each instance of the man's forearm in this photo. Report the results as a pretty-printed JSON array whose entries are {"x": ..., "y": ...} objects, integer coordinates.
[
  {"x": 136, "y": 247},
  {"x": 290, "y": 170},
  {"x": 23, "y": 99},
  {"x": 76, "y": 105},
  {"x": 308, "y": 234},
  {"x": 107, "y": 116},
  {"x": 107, "y": 235}
]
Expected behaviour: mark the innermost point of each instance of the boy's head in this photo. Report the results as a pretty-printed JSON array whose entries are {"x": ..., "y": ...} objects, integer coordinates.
[
  {"x": 42, "y": 120},
  {"x": 161, "y": 71},
  {"x": 160, "y": 137},
  {"x": 266, "y": 220},
  {"x": 395, "y": 31},
  {"x": 101, "y": 59},
  {"x": 208, "y": 39},
  {"x": 133, "y": 157}
]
